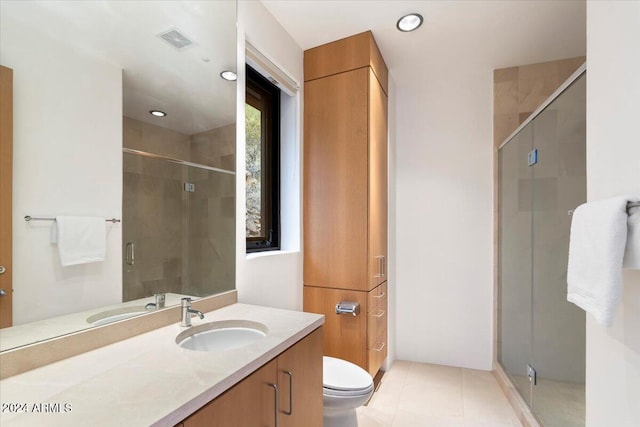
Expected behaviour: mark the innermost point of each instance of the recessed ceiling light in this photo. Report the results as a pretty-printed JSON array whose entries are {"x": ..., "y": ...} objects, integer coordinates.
[
  {"x": 409, "y": 22},
  {"x": 157, "y": 113},
  {"x": 229, "y": 75}
]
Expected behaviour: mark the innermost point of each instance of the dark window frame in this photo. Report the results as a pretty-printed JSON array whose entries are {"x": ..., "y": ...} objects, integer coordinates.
[{"x": 270, "y": 179}]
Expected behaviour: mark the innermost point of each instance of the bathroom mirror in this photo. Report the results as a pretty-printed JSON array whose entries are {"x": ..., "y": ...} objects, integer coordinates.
[{"x": 86, "y": 77}]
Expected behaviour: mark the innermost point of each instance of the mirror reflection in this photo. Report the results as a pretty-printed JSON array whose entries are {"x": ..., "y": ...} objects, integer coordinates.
[{"x": 119, "y": 111}]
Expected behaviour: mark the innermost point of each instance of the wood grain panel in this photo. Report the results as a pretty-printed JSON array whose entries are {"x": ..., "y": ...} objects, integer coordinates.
[
  {"x": 249, "y": 403},
  {"x": 6, "y": 191},
  {"x": 344, "y": 55},
  {"x": 376, "y": 324},
  {"x": 335, "y": 181},
  {"x": 304, "y": 362},
  {"x": 377, "y": 296},
  {"x": 377, "y": 183},
  {"x": 378, "y": 66},
  {"x": 346, "y": 335},
  {"x": 377, "y": 353}
]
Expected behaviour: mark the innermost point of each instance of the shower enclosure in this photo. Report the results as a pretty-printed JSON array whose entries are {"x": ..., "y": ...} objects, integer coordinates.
[
  {"x": 178, "y": 211},
  {"x": 541, "y": 336}
]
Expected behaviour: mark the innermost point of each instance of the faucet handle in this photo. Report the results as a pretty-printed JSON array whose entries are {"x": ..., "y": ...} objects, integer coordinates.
[
  {"x": 186, "y": 302},
  {"x": 160, "y": 299}
]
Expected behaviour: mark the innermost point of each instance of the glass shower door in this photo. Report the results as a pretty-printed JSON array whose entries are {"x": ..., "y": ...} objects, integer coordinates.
[
  {"x": 178, "y": 229},
  {"x": 515, "y": 337},
  {"x": 153, "y": 226},
  {"x": 559, "y": 186}
]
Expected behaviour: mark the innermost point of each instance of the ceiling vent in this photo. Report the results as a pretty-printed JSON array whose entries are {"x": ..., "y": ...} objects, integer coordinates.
[{"x": 176, "y": 39}]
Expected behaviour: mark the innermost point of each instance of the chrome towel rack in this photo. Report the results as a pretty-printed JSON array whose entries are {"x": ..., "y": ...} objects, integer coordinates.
[
  {"x": 629, "y": 206},
  {"x": 34, "y": 218}
]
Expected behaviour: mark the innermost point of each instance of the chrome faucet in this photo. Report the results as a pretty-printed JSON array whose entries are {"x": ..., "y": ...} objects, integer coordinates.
[
  {"x": 187, "y": 311},
  {"x": 156, "y": 305}
]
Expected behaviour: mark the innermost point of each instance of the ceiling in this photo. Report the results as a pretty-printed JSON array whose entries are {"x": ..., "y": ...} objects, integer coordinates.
[
  {"x": 485, "y": 34},
  {"x": 184, "y": 83}
]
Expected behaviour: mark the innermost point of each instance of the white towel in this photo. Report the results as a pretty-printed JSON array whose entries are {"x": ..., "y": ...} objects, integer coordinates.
[
  {"x": 81, "y": 239},
  {"x": 596, "y": 248},
  {"x": 632, "y": 252}
]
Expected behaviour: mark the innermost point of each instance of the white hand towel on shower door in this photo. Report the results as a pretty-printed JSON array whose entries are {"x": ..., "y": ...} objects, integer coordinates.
[
  {"x": 596, "y": 249},
  {"x": 81, "y": 239}
]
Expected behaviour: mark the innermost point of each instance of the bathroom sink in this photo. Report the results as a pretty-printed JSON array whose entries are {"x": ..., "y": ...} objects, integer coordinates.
[
  {"x": 221, "y": 336},
  {"x": 111, "y": 316}
]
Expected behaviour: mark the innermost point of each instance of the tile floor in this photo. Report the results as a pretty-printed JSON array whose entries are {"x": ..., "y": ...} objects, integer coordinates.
[{"x": 422, "y": 395}]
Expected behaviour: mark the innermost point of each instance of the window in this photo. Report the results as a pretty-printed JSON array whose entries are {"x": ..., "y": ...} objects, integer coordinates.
[{"x": 262, "y": 123}]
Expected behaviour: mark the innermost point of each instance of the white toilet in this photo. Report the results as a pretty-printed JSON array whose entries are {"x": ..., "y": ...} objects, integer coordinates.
[{"x": 345, "y": 387}]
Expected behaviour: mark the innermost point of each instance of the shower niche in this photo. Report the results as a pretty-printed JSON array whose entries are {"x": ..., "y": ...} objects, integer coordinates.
[{"x": 541, "y": 336}]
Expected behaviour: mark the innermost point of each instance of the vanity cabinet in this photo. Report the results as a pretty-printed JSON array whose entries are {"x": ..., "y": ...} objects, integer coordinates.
[
  {"x": 288, "y": 388},
  {"x": 345, "y": 195}
]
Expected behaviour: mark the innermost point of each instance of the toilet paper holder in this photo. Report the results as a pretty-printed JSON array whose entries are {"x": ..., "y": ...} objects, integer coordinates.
[{"x": 348, "y": 307}]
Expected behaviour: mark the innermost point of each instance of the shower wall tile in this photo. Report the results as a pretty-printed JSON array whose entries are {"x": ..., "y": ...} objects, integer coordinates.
[
  {"x": 545, "y": 140},
  {"x": 155, "y": 139},
  {"x": 505, "y": 89},
  {"x": 503, "y": 125},
  {"x": 572, "y": 158},
  {"x": 215, "y": 147},
  {"x": 518, "y": 91},
  {"x": 572, "y": 192},
  {"x": 545, "y": 194}
]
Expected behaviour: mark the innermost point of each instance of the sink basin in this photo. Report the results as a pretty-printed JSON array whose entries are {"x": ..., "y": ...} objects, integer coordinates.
[
  {"x": 221, "y": 336},
  {"x": 111, "y": 316}
]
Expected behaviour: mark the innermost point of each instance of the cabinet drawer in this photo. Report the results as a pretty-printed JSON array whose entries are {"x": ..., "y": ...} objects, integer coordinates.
[
  {"x": 377, "y": 353},
  {"x": 376, "y": 324},
  {"x": 377, "y": 296}
]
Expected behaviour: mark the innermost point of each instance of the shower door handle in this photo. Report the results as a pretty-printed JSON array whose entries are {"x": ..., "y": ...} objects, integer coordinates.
[{"x": 130, "y": 253}]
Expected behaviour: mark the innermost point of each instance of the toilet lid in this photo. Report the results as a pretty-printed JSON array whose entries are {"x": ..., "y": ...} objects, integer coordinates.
[{"x": 342, "y": 375}]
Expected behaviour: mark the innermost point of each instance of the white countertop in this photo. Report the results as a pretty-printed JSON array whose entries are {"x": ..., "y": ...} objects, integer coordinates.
[{"x": 148, "y": 379}]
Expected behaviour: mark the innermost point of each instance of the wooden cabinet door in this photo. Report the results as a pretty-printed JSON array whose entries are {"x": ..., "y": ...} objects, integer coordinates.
[
  {"x": 250, "y": 403},
  {"x": 377, "y": 183},
  {"x": 300, "y": 383},
  {"x": 335, "y": 181},
  {"x": 6, "y": 191},
  {"x": 345, "y": 335}
]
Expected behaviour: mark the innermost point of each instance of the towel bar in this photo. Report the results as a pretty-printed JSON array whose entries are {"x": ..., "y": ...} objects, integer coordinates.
[
  {"x": 629, "y": 206},
  {"x": 33, "y": 218}
]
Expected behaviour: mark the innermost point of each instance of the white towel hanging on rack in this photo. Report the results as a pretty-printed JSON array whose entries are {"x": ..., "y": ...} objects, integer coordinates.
[
  {"x": 81, "y": 240},
  {"x": 596, "y": 251}
]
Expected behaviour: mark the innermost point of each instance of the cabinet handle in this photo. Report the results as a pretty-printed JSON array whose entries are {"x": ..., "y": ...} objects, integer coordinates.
[
  {"x": 384, "y": 266},
  {"x": 379, "y": 269},
  {"x": 379, "y": 314},
  {"x": 275, "y": 403},
  {"x": 379, "y": 348},
  {"x": 290, "y": 375}
]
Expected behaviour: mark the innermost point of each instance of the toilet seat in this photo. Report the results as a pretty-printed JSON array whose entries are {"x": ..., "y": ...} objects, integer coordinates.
[
  {"x": 327, "y": 392},
  {"x": 342, "y": 379}
]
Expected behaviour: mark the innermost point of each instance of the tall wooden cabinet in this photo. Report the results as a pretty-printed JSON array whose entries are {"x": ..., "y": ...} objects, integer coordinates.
[{"x": 345, "y": 195}]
